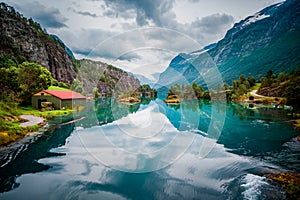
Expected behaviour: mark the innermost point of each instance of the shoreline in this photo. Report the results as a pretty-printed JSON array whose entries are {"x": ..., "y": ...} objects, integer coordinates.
[
  {"x": 10, "y": 151},
  {"x": 31, "y": 125}
]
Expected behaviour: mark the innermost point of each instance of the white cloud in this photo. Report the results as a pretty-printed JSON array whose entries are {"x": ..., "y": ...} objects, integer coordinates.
[{"x": 110, "y": 31}]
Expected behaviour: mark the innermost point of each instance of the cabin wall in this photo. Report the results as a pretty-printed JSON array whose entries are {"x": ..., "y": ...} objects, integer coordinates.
[
  {"x": 73, "y": 103},
  {"x": 56, "y": 101}
]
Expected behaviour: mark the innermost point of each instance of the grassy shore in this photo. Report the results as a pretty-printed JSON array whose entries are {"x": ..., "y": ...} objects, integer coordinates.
[
  {"x": 10, "y": 129},
  {"x": 44, "y": 114}
]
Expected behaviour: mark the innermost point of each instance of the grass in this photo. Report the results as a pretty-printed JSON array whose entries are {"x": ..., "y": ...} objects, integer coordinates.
[
  {"x": 31, "y": 111},
  {"x": 10, "y": 129},
  {"x": 57, "y": 88},
  {"x": 256, "y": 86}
]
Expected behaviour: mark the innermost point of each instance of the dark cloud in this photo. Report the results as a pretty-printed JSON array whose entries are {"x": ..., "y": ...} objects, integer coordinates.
[
  {"x": 146, "y": 10},
  {"x": 84, "y": 13},
  {"x": 160, "y": 13},
  {"x": 126, "y": 46},
  {"x": 48, "y": 17}
]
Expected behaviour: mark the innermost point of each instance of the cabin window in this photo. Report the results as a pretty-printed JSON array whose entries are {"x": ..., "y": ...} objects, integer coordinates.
[{"x": 42, "y": 94}]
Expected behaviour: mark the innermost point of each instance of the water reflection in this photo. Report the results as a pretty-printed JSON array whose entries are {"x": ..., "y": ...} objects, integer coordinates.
[
  {"x": 88, "y": 168},
  {"x": 26, "y": 161},
  {"x": 256, "y": 132},
  {"x": 141, "y": 142},
  {"x": 107, "y": 110},
  {"x": 28, "y": 153}
]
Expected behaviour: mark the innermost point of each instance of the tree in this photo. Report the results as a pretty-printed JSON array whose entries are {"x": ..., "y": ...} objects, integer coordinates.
[
  {"x": 8, "y": 78},
  {"x": 282, "y": 77},
  {"x": 242, "y": 90},
  {"x": 96, "y": 93},
  {"x": 235, "y": 84},
  {"x": 225, "y": 86},
  {"x": 242, "y": 78},
  {"x": 269, "y": 74},
  {"x": 102, "y": 78},
  {"x": 32, "y": 78},
  {"x": 247, "y": 84},
  {"x": 251, "y": 81},
  {"x": 77, "y": 86},
  {"x": 198, "y": 90}
]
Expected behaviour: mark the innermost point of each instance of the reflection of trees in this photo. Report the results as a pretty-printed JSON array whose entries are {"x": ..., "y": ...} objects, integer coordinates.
[
  {"x": 190, "y": 104},
  {"x": 188, "y": 114},
  {"x": 242, "y": 111},
  {"x": 269, "y": 114},
  {"x": 108, "y": 110},
  {"x": 147, "y": 100}
]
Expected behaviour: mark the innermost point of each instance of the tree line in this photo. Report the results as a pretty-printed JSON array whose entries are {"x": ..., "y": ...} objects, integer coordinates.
[{"x": 283, "y": 85}]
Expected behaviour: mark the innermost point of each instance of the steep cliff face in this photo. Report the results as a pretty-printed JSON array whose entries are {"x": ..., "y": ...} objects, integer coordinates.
[
  {"x": 268, "y": 40},
  {"x": 24, "y": 37},
  {"x": 108, "y": 79}
]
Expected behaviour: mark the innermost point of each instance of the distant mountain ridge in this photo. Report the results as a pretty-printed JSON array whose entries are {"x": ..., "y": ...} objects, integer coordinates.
[{"x": 268, "y": 40}]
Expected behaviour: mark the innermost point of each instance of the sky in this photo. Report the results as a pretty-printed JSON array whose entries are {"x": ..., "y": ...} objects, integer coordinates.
[{"x": 139, "y": 36}]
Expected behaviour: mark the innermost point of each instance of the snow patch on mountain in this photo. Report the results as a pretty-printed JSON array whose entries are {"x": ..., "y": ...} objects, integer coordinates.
[{"x": 255, "y": 18}]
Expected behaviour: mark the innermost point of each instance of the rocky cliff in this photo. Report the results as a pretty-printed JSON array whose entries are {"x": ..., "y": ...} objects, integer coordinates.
[
  {"x": 108, "y": 79},
  {"x": 22, "y": 37}
]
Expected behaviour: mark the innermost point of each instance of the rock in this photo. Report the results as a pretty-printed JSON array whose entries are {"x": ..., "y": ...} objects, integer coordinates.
[
  {"x": 129, "y": 100},
  {"x": 109, "y": 80},
  {"x": 172, "y": 101},
  {"x": 24, "y": 37},
  {"x": 290, "y": 181}
]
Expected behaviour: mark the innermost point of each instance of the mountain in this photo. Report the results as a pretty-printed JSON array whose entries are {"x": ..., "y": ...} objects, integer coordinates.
[
  {"x": 182, "y": 68},
  {"x": 60, "y": 42},
  {"x": 22, "y": 39},
  {"x": 25, "y": 40},
  {"x": 145, "y": 80},
  {"x": 107, "y": 78},
  {"x": 268, "y": 40}
]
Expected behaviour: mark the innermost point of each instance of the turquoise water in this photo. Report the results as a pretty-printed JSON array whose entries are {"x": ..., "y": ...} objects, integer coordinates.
[{"x": 195, "y": 150}]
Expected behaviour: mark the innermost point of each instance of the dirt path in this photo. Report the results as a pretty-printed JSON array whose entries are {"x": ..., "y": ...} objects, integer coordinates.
[
  {"x": 32, "y": 120},
  {"x": 253, "y": 93}
]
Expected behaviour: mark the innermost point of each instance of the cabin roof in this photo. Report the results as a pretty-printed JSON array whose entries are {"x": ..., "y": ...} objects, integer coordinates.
[{"x": 64, "y": 94}]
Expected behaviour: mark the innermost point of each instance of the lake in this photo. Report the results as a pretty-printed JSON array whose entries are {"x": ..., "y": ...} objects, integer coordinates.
[{"x": 195, "y": 150}]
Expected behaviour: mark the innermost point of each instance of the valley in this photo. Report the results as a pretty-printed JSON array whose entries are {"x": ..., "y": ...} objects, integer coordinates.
[{"x": 89, "y": 116}]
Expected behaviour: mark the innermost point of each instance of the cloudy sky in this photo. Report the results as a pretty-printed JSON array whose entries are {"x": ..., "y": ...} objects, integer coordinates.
[{"x": 140, "y": 36}]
